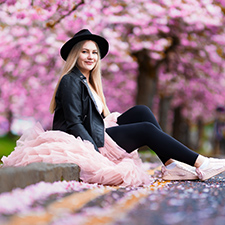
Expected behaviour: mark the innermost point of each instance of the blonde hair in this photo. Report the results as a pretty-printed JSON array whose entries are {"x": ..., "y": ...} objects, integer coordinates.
[{"x": 95, "y": 77}]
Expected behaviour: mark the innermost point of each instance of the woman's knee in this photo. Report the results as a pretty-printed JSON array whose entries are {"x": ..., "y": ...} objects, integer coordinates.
[
  {"x": 138, "y": 113},
  {"x": 141, "y": 108},
  {"x": 144, "y": 113},
  {"x": 141, "y": 111}
]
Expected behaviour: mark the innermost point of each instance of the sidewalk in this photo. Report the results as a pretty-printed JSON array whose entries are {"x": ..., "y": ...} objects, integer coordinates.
[{"x": 72, "y": 202}]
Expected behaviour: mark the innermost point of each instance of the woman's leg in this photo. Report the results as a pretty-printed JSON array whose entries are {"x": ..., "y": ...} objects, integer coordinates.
[
  {"x": 136, "y": 114},
  {"x": 135, "y": 135},
  {"x": 138, "y": 127},
  {"x": 141, "y": 113}
]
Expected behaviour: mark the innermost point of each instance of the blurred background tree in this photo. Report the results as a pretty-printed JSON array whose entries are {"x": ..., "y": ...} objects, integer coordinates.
[{"x": 168, "y": 55}]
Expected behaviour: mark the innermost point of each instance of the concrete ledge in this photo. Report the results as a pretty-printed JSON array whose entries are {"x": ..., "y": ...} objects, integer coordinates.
[{"x": 13, "y": 177}]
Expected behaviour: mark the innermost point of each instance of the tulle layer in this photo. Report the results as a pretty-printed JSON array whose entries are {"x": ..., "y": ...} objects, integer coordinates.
[{"x": 114, "y": 166}]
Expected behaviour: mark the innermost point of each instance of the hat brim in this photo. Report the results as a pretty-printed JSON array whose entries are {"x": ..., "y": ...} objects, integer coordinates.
[{"x": 101, "y": 42}]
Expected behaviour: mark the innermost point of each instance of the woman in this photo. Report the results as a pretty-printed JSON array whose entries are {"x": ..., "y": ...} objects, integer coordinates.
[{"x": 80, "y": 110}]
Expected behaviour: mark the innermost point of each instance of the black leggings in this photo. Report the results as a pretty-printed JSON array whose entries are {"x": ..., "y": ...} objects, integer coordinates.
[{"x": 138, "y": 127}]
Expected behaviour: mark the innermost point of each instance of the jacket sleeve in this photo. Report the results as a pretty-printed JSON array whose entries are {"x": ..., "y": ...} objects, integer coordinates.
[{"x": 71, "y": 99}]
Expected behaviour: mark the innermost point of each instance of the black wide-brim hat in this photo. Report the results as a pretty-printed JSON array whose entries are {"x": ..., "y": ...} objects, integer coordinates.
[{"x": 82, "y": 35}]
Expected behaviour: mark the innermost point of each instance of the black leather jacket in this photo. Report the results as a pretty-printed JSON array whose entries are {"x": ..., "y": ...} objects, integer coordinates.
[{"x": 76, "y": 111}]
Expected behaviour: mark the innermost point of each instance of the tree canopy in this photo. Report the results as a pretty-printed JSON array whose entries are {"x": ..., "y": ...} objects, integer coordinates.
[{"x": 158, "y": 49}]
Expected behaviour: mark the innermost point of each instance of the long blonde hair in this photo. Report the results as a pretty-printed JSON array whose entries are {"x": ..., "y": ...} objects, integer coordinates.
[{"x": 95, "y": 76}]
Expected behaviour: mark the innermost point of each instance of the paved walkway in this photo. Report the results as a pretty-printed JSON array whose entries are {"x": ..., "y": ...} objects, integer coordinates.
[{"x": 162, "y": 203}]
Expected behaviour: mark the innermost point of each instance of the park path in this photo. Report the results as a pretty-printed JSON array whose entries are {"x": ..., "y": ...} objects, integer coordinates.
[{"x": 190, "y": 202}]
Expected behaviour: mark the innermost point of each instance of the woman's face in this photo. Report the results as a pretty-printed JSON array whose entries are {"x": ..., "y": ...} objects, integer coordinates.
[{"x": 87, "y": 58}]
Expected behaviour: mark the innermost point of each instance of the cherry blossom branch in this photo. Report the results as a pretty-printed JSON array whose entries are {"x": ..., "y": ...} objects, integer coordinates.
[{"x": 51, "y": 24}]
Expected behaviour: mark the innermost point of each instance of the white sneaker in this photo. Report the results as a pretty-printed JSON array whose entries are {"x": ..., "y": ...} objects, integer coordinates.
[
  {"x": 181, "y": 171},
  {"x": 215, "y": 167}
]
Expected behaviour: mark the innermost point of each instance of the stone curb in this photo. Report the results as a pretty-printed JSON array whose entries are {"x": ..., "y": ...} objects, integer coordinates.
[{"x": 20, "y": 177}]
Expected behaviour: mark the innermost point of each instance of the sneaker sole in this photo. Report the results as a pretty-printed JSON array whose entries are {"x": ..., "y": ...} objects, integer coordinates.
[
  {"x": 180, "y": 178},
  {"x": 213, "y": 174}
]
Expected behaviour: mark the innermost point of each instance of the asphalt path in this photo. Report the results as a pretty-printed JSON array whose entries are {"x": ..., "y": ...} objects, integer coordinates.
[
  {"x": 162, "y": 203},
  {"x": 182, "y": 202}
]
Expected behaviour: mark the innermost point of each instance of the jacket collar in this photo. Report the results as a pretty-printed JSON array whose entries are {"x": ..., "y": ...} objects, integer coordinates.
[
  {"x": 77, "y": 72},
  {"x": 84, "y": 81}
]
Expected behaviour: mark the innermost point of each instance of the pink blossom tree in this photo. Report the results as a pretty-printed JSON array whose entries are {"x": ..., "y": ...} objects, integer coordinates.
[
  {"x": 29, "y": 58},
  {"x": 164, "y": 54}
]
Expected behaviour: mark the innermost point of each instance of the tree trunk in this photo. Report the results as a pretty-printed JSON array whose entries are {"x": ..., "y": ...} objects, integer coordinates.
[
  {"x": 147, "y": 79},
  {"x": 10, "y": 121},
  {"x": 181, "y": 130},
  {"x": 200, "y": 127},
  {"x": 164, "y": 107}
]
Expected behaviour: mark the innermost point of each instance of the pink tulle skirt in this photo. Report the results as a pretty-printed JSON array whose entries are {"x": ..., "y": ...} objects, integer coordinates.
[{"x": 114, "y": 166}]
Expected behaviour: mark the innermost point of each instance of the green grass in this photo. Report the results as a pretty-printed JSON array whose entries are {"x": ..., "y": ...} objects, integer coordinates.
[{"x": 7, "y": 144}]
